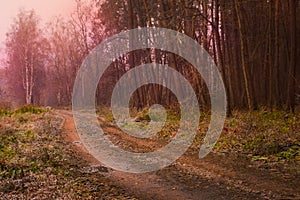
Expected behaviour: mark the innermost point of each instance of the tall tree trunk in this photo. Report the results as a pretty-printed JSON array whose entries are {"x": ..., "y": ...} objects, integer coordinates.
[
  {"x": 270, "y": 56},
  {"x": 132, "y": 61},
  {"x": 221, "y": 54},
  {"x": 245, "y": 74},
  {"x": 276, "y": 56},
  {"x": 292, "y": 71}
]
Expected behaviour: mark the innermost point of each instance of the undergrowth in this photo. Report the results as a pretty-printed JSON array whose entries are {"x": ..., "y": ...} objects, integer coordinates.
[
  {"x": 36, "y": 163},
  {"x": 260, "y": 135},
  {"x": 269, "y": 136}
]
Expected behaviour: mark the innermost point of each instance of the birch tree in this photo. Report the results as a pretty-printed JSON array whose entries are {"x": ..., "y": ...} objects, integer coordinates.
[{"x": 26, "y": 52}]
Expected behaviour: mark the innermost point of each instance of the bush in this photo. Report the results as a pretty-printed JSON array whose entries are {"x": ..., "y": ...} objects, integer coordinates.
[
  {"x": 30, "y": 109},
  {"x": 5, "y": 108},
  {"x": 4, "y": 112}
]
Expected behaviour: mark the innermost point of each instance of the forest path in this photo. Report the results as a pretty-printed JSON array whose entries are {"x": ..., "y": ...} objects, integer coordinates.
[{"x": 214, "y": 177}]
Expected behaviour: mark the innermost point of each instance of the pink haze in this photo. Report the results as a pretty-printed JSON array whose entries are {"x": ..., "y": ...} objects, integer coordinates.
[{"x": 46, "y": 9}]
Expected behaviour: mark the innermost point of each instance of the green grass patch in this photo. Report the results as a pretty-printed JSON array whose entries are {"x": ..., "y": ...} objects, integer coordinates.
[
  {"x": 262, "y": 135},
  {"x": 35, "y": 160},
  {"x": 4, "y": 113},
  {"x": 30, "y": 109},
  {"x": 106, "y": 113}
]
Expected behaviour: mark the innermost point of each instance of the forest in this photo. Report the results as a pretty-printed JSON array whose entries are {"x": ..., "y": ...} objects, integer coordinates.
[
  {"x": 255, "y": 47},
  {"x": 253, "y": 43}
]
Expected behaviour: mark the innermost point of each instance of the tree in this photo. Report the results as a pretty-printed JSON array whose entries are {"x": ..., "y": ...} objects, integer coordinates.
[
  {"x": 293, "y": 55},
  {"x": 252, "y": 42},
  {"x": 26, "y": 53}
]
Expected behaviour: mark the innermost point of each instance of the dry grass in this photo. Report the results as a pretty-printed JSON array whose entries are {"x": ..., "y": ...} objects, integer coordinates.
[{"x": 36, "y": 164}]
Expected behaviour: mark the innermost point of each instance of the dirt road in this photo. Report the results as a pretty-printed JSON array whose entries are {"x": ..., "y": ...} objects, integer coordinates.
[{"x": 218, "y": 176}]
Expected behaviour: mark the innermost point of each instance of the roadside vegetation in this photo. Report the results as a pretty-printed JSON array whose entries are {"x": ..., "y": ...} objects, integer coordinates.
[
  {"x": 35, "y": 162},
  {"x": 269, "y": 139}
]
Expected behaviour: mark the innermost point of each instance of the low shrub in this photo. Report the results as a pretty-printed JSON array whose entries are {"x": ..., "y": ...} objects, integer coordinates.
[{"x": 30, "y": 109}]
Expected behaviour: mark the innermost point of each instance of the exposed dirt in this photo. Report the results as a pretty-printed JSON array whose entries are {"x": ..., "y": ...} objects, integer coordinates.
[{"x": 218, "y": 176}]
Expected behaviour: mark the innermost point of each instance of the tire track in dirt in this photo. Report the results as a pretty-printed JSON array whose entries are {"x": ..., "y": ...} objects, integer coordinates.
[
  {"x": 144, "y": 185},
  {"x": 188, "y": 178}
]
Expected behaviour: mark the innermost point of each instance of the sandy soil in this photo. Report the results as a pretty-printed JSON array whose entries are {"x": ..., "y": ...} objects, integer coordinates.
[{"x": 218, "y": 176}]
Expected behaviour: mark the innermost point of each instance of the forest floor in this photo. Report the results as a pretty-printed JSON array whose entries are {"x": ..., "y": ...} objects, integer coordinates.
[{"x": 41, "y": 157}]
